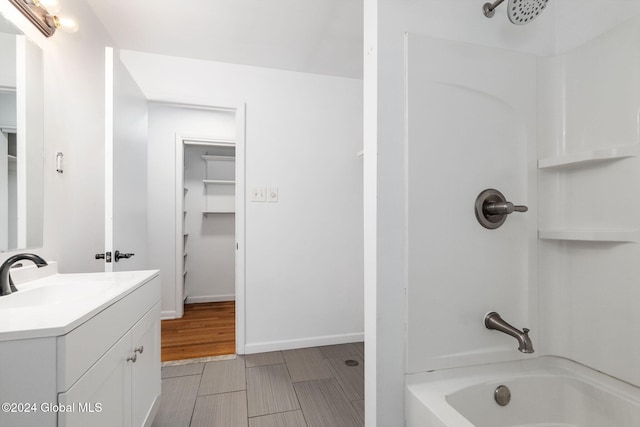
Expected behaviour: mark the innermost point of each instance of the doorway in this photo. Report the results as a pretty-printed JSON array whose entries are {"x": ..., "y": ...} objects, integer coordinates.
[{"x": 209, "y": 238}]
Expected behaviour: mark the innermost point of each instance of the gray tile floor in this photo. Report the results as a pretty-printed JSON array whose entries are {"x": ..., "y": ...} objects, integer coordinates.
[{"x": 310, "y": 387}]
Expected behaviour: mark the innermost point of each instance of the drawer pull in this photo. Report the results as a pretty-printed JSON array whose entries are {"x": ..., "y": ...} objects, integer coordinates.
[
  {"x": 132, "y": 358},
  {"x": 138, "y": 349}
]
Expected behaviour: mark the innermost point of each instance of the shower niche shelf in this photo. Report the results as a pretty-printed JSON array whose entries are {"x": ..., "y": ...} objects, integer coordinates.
[
  {"x": 590, "y": 156},
  {"x": 593, "y": 235}
]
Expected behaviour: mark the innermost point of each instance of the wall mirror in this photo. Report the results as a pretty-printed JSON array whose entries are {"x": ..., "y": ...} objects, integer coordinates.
[{"x": 21, "y": 140}]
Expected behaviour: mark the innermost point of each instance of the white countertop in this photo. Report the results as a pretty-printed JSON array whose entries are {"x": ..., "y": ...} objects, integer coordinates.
[{"x": 58, "y": 303}]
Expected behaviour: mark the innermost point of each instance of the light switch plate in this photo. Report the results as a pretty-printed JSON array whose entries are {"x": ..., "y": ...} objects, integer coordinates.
[
  {"x": 272, "y": 194},
  {"x": 259, "y": 194}
]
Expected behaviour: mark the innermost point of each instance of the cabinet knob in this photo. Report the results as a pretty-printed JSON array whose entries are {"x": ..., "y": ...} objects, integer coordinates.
[
  {"x": 132, "y": 358},
  {"x": 138, "y": 350}
]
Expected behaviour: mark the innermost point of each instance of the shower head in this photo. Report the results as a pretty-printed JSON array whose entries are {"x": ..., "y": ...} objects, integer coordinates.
[{"x": 520, "y": 12}]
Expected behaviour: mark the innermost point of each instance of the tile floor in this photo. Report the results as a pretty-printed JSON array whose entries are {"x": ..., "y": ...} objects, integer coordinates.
[{"x": 311, "y": 387}]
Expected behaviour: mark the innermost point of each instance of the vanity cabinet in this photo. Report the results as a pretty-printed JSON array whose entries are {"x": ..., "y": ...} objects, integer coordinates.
[
  {"x": 103, "y": 371},
  {"x": 121, "y": 388}
]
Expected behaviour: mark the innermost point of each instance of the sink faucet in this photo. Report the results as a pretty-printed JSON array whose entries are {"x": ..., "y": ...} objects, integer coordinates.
[
  {"x": 494, "y": 321},
  {"x": 6, "y": 283}
]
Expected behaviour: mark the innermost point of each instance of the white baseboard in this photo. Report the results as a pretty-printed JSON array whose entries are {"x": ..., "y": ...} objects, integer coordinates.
[
  {"x": 210, "y": 298},
  {"x": 168, "y": 315},
  {"x": 263, "y": 347}
]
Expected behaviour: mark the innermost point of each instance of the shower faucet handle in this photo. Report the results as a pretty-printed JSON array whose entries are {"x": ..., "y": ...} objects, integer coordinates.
[
  {"x": 503, "y": 208},
  {"x": 492, "y": 208}
]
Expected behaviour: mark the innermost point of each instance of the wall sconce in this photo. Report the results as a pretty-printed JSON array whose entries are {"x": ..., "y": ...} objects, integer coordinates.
[{"x": 43, "y": 14}]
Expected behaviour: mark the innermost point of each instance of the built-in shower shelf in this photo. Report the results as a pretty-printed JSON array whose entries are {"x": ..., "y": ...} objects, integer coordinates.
[
  {"x": 598, "y": 155},
  {"x": 621, "y": 235}
]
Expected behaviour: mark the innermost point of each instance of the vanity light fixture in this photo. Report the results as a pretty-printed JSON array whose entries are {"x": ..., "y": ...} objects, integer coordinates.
[{"x": 43, "y": 14}]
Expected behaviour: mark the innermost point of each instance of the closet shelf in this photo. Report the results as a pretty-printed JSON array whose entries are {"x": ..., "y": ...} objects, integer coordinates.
[
  {"x": 218, "y": 182},
  {"x": 223, "y": 211},
  {"x": 592, "y": 235},
  {"x": 212, "y": 157},
  {"x": 204, "y": 142},
  {"x": 591, "y": 156}
]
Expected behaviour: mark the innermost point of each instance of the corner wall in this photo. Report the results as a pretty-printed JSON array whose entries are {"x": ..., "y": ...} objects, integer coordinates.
[{"x": 589, "y": 176}]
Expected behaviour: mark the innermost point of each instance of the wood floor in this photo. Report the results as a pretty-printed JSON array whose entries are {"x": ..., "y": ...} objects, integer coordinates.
[{"x": 207, "y": 329}]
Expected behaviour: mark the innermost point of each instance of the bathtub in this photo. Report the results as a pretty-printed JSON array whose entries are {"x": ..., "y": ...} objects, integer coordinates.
[{"x": 545, "y": 392}]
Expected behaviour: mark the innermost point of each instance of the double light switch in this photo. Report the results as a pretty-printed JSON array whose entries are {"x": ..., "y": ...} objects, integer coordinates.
[{"x": 264, "y": 194}]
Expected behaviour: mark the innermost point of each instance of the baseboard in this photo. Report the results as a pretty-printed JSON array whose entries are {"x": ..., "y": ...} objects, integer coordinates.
[
  {"x": 302, "y": 343},
  {"x": 168, "y": 315},
  {"x": 210, "y": 298}
]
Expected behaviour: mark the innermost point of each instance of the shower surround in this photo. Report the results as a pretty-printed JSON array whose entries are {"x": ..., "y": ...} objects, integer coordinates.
[{"x": 559, "y": 133}]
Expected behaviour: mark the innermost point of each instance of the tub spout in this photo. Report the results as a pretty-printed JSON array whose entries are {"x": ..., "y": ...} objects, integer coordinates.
[{"x": 494, "y": 321}]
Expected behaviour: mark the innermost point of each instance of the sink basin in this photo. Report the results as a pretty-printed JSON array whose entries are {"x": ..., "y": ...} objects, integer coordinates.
[{"x": 57, "y": 293}]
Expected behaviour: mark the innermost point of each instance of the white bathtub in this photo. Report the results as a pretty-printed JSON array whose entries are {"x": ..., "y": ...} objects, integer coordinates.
[{"x": 545, "y": 392}]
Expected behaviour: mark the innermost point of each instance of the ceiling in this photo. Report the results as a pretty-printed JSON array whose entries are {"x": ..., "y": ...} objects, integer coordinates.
[{"x": 313, "y": 36}]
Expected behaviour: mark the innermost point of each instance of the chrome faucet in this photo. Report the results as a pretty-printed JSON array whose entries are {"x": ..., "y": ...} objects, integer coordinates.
[
  {"x": 6, "y": 283},
  {"x": 494, "y": 321}
]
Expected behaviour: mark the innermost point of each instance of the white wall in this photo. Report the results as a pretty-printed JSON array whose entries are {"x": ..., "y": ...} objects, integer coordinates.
[
  {"x": 126, "y": 167},
  {"x": 8, "y": 52},
  {"x": 471, "y": 126},
  {"x": 304, "y": 253},
  {"x": 7, "y": 109},
  {"x": 73, "y": 124},
  {"x": 589, "y": 98},
  {"x": 211, "y": 245},
  {"x": 165, "y": 121},
  {"x": 461, "y": 21},
  {"x": 578, "y": 21}
]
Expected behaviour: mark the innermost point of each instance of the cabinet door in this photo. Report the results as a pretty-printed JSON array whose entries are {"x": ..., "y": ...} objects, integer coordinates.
[
  {"x": 145, "y": 372},
  {"x": 102, "y": 396}
]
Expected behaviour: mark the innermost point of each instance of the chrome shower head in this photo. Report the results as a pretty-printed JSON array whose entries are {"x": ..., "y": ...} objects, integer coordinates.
[{"x": 520, "y": 12}]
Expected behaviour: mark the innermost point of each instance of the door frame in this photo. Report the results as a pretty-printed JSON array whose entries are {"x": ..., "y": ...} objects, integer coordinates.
[{"x": 240, "y": 221}]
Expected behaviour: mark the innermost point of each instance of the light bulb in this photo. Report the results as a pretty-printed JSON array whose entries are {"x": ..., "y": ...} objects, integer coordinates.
[
  {"x": 66, "y": 23},
  {"x": 51, "y": 6}
]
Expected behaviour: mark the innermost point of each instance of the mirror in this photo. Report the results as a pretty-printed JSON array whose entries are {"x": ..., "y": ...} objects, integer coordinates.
[{"x": 21, "y": 140}]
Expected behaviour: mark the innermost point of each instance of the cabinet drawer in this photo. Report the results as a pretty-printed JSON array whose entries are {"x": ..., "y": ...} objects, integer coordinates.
[{"x": 78, "y": 350}]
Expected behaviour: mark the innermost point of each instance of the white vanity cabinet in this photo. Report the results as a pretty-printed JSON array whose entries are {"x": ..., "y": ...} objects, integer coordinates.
[
  {"x": 103, "y": 372},
  {"x": 122, "y": 387}
]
